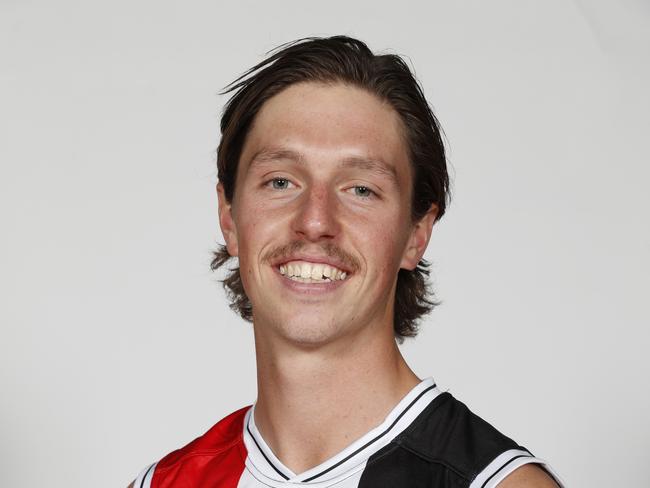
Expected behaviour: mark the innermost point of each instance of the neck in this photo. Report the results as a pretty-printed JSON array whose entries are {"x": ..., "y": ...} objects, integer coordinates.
[{"x": 313, "y": 403}]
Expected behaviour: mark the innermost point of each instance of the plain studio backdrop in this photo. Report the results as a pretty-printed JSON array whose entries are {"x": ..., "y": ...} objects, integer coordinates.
[{"x": 117, "y": 345}]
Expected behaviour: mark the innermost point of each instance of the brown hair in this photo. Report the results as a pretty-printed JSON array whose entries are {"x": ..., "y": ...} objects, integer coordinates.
[{"x": 345, "y": 60}]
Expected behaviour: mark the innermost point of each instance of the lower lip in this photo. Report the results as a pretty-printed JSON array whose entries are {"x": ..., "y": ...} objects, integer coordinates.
[{"x": 309, "y": 288}]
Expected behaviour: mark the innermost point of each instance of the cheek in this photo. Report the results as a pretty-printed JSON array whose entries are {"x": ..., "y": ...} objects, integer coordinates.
[
  {"x": 255, "y": 231},
  {"x": 383, "y": 250},
  {"x": 251, "y": 235},
  {"x": 249, "y": 240}
]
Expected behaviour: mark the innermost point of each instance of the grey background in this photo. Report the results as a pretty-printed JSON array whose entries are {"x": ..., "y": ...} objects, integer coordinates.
[{"x": 116, "y": 342}]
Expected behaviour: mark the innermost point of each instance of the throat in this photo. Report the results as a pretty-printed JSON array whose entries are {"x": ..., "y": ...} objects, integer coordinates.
[
  {"x": 320, "y": 450},
  {"x": 308, "y": 427}
]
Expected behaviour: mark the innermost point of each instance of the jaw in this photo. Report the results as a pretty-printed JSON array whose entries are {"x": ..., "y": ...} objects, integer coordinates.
[{"x": 303, "y": 314}]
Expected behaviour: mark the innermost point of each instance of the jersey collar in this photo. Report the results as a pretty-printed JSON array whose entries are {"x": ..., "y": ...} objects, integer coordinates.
[{"x": 262, "y": 462}]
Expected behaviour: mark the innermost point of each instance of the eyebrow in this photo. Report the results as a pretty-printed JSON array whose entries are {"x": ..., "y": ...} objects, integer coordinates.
[{"x": 361, "y": 162}]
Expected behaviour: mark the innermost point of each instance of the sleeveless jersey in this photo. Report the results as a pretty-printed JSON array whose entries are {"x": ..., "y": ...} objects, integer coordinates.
[{"x": 429, "y": 440}]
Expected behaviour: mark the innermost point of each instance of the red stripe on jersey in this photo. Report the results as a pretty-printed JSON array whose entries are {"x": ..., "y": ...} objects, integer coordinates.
[{"x": 217, "y": 458}]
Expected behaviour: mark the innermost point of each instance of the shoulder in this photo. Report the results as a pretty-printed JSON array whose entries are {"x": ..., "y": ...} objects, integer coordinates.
[
  {"x": 449, "y": 434},
  {"x": 448, "y": 431},
  {"x": 221, "y": 446},
  {"x": 221, "y": 437}
]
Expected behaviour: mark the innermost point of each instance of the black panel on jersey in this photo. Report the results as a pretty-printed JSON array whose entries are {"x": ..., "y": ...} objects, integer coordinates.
[{"x": 446, "y": 446}]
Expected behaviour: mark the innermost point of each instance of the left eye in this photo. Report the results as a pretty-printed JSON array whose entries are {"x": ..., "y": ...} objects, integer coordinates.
[
  {"x": 363, "y": 191},
  {"x": 279, "y": 183}
]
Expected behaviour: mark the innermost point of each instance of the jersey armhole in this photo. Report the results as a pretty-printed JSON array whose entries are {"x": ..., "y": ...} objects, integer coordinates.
[
  {"x": 144, "y": 478},
  {"x": 506, "y": 463}
]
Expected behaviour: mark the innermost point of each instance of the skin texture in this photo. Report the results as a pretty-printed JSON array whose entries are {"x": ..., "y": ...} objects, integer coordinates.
[
  {"x": 323, "y": 126},
  {"x": 324, "y": 172}
]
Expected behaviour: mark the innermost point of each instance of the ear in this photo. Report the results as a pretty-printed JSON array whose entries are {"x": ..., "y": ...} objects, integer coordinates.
[
  {"x": 226, "y": 222},
  {"x": 419, "y": 239}
]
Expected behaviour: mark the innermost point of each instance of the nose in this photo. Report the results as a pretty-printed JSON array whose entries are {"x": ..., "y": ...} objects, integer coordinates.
[{"x": 316, "y": 218}]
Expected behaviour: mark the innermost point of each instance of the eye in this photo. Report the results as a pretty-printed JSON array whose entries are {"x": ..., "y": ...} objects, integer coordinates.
[
  {"x": 363, "y": 191},
  {"x": 279, "y": 183}
]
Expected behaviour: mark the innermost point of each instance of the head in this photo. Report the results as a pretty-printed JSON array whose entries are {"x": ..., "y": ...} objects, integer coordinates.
[{"x": 342, "y": 67}]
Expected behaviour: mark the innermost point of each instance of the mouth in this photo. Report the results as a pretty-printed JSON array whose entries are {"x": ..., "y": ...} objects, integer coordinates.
[{"x": 314, "y": 273}]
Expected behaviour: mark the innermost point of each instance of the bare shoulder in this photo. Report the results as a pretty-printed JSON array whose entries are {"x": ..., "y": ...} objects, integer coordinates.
[
  {"x": 131, "y": 485},
  {"x": 528, "y": 476}
]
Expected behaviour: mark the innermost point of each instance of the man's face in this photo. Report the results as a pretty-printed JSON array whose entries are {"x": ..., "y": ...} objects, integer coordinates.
[{"x": 320, "y": 218}]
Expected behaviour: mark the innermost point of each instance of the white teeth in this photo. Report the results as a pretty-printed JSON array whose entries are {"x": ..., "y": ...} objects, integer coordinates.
[
  {"x": 317, "y": 272},
  {"x": 307, "y": 280},
  {"x": 307, "y": 272}
]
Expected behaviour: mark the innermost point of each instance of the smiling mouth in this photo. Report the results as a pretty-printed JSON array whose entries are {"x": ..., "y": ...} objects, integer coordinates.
[{"x": 306, "y": 272}]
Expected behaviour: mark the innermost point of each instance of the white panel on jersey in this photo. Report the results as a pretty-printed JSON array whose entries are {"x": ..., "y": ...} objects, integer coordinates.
[
  {"x": 251, "y": 478},
  {"x": 506, "y": 463}
]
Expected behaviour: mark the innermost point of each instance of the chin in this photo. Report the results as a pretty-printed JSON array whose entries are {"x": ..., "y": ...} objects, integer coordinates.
[{"x": 308, "y": 332}]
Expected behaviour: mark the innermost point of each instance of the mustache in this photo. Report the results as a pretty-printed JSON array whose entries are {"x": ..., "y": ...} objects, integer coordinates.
[{"x": 329, "y": 249}]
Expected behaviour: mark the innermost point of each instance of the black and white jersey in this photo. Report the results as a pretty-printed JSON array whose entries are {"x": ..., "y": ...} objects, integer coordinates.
[{"x": 429, "y": 440}]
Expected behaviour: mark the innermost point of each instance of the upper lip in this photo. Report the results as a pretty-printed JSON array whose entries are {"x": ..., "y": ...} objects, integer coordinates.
[{"x": 314, "y": 258}]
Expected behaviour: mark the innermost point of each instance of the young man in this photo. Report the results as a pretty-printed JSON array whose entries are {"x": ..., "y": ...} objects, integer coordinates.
[{"x": 331, "y": 175}]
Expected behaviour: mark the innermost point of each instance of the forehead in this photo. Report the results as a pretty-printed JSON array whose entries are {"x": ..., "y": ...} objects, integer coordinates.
[{"x": 328, "y": 122}]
